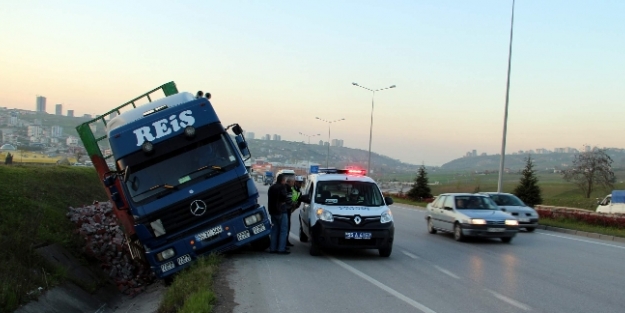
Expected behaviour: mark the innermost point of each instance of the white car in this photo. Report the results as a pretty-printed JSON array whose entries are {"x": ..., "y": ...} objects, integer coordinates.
[
  {"x": 345, "y": 209},
  {"x": 511, "y": 204}
]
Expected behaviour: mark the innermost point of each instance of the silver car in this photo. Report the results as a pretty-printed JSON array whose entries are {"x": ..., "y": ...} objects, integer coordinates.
[
  {"x": 509, "y": 203},
  {"x": 470, "y": 215}
]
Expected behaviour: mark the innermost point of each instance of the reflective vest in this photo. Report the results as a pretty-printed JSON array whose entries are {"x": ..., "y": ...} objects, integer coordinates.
[{"x": 295, "y": 195}]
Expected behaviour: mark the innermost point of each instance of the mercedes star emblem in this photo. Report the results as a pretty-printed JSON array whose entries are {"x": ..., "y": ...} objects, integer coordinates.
[
  {"x": 357, "y": 220},
  {"x": 198, "y": 207}
]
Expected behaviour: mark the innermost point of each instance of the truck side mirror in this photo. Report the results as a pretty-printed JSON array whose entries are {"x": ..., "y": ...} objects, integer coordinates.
[
  {"x": 242, "y": 145},
  {"x": 237, "y": 130}
]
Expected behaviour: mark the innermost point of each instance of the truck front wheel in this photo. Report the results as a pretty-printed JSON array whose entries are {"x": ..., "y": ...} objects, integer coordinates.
[
  {"x": 386, "y": 251},
  {"x": 261, "y": 244}
]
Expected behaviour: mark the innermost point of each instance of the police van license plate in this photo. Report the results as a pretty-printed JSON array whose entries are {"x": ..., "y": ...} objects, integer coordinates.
[
  {"x": 243, "y": 235},
  {"x": 357, "y": 235},
  {"x": 209, "y": 233},
  {"x": 496, "y": 230},
  {"x": 184, "y": 259},
  {"x": 258, "y": 229},
  {"x": 523, "y": 219}
]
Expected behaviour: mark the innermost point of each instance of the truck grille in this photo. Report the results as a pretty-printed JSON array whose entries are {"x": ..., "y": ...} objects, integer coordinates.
[{"x": 218, "y": 200}]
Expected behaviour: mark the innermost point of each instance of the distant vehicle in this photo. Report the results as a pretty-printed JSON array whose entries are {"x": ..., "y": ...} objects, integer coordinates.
[
  {"x": 470, "y": 215},
  {"x": 613, "y": 203},
  {"x": 268, "y": 178},
  {"x": 345, "y": 209},
  {"x": 509, "y": 203}
]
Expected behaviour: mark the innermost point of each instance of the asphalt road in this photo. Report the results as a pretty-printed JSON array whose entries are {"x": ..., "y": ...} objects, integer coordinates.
[{"x": 537, "y": 272}]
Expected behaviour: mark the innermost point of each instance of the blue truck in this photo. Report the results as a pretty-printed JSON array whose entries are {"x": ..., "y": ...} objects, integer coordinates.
[
  {"x": 268, "y": 178},
  {"x": 177, "y": 179}
]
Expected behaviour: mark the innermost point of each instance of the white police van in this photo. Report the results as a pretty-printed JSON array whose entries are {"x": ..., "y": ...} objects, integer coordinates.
[{"x": 345, "y": 209}]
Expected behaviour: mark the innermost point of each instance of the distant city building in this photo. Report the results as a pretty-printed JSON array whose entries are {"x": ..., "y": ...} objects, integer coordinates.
[
  {"x": 34, "y": 131},
  {"x": 41, "y": 104},
  {"x": 587, "y": 148},
  {"x": 71, "y": 141},
  {"x": 337, "y": 142},
  {"x": 56, "y": 131},
  {"x": 59, "y": 109},
  {"x": 250, "y": 135},
  {"x": 70, "y": 113},
  {"x": 14, "y": 121},
  {"x": 86, "y": 115},
  {"x": 267, "y": 137},
  {"x": 277, "y": 137},
  {"x": 325, "y": 143}
]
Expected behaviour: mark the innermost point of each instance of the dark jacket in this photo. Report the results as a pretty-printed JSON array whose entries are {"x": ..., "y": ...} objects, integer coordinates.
[{"x": 278, "y": 200}]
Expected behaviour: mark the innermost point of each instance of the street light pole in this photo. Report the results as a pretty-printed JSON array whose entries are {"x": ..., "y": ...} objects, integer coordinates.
[
  {"x": 371, "y": 125},
  {"x": 505, "y": 115},
  {"x": 309, "y": 144},
  {"x": 329, "y": 124}
]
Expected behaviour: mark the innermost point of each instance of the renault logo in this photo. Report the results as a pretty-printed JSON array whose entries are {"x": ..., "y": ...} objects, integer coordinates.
[
  {"x": 357, "y": 220},
  {"x": 198, "y": 207}
]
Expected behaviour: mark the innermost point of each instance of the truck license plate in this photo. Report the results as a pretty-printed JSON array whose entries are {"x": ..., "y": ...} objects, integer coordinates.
[
  {"x": 209, "y": 233},
  {"x": 184, "y": 259},
  {"x": 496, "y": 230},
  {"x": 258, "y": 229},
  {"x": 243, "y": 235},
  {"x": 524, "y": 219},
  {"x": 167, "y": 266},
  {"x": 357, "y": 235}
]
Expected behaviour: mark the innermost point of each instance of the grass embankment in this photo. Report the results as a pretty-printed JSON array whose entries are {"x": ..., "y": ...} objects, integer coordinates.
[
  {"x": 33, "y": 204},
  {"x": 581, "y": 226},
  {"x": 191, "y": 291}
]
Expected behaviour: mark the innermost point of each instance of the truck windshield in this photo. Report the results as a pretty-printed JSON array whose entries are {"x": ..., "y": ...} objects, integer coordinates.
[
  {"x": 348, "y": 193},
  {"x": 210, "y": 156}
]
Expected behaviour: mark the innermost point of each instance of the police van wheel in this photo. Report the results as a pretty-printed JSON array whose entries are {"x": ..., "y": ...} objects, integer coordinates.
[
  {"x": 302, "y": 235},
  {"x": 315, "y": 250},
  {"x": 261, "y": 244},
  {"x": 385, "y": 252}
]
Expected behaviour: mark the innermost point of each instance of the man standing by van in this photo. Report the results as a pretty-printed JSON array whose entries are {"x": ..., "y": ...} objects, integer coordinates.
[{"x": 278, "y": 205}]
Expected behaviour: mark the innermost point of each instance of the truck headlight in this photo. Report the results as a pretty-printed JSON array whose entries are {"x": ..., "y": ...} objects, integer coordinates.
[
  {"x": 325, "y": 215},
  {"x": 386, "y": 217},
  {"x": 253, "y": 219},
  {"x": 165, "y": 254},
  {"x": 478, "y": 221},
  {"x": 512, "y": 222}
]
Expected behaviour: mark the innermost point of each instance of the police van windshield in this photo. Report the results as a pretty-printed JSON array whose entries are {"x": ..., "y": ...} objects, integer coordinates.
[
  {"x": 164, "y": 174},
  {"x": 348, "y": 193}
]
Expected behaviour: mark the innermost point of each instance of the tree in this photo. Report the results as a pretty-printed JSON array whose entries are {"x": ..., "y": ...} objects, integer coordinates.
[
  {"x": 528, "y": 190},
  {"x": 590, "y": 170},
  {"x": 420, "y": 189}
]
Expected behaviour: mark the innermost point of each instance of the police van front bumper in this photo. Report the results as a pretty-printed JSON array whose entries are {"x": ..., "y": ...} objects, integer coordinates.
[{"x": 344, "y": 233}]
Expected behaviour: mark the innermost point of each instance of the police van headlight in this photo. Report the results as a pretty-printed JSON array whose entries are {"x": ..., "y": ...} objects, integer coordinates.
[
  {"x": 386, "y": 217},
  {"x": 253, "y": 219},
  {"x": 166, "y": 254},
  {"x": 325, "y": 215}
]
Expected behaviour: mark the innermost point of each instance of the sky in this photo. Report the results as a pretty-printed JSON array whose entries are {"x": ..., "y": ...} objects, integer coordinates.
[{"x": 274, "y": 66}]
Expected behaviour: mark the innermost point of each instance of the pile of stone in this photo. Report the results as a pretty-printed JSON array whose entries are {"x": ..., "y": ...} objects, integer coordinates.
[{"x": 105, "y": 241}]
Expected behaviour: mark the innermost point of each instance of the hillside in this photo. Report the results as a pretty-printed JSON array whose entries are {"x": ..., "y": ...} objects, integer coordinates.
[
  {"x": 298, "y": 152},
  {"x": 35, "y": 200},
  {"x": 543, "y": 162}
]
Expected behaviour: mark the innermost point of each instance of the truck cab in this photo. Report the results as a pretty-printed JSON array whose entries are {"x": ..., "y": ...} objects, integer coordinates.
[
  {"x": 180, "y": 185},
  {"x": 345, "y": 209},
  {"x": 613, "y": 203}
]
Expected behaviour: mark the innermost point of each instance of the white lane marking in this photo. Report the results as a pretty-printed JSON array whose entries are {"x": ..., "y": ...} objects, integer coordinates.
[
  {"x": 382, "y": 286},
  {"x": 509, "y": 301},
  {"x": 410, "y": 254},
  {"x": 378, "y": 284},
  {"x": 447, "y": 272},
  {"x": 582, "y": 240}
]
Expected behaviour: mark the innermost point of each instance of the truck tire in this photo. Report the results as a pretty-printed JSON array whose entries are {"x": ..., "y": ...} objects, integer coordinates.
[
  {"x": 529, "y": 229},
  {"x": 506, "y": 239},
  {"x": 261, "y": 244}
]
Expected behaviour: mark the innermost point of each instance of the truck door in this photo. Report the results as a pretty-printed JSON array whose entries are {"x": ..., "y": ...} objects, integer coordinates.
[{"x": 604, "y": 206}]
